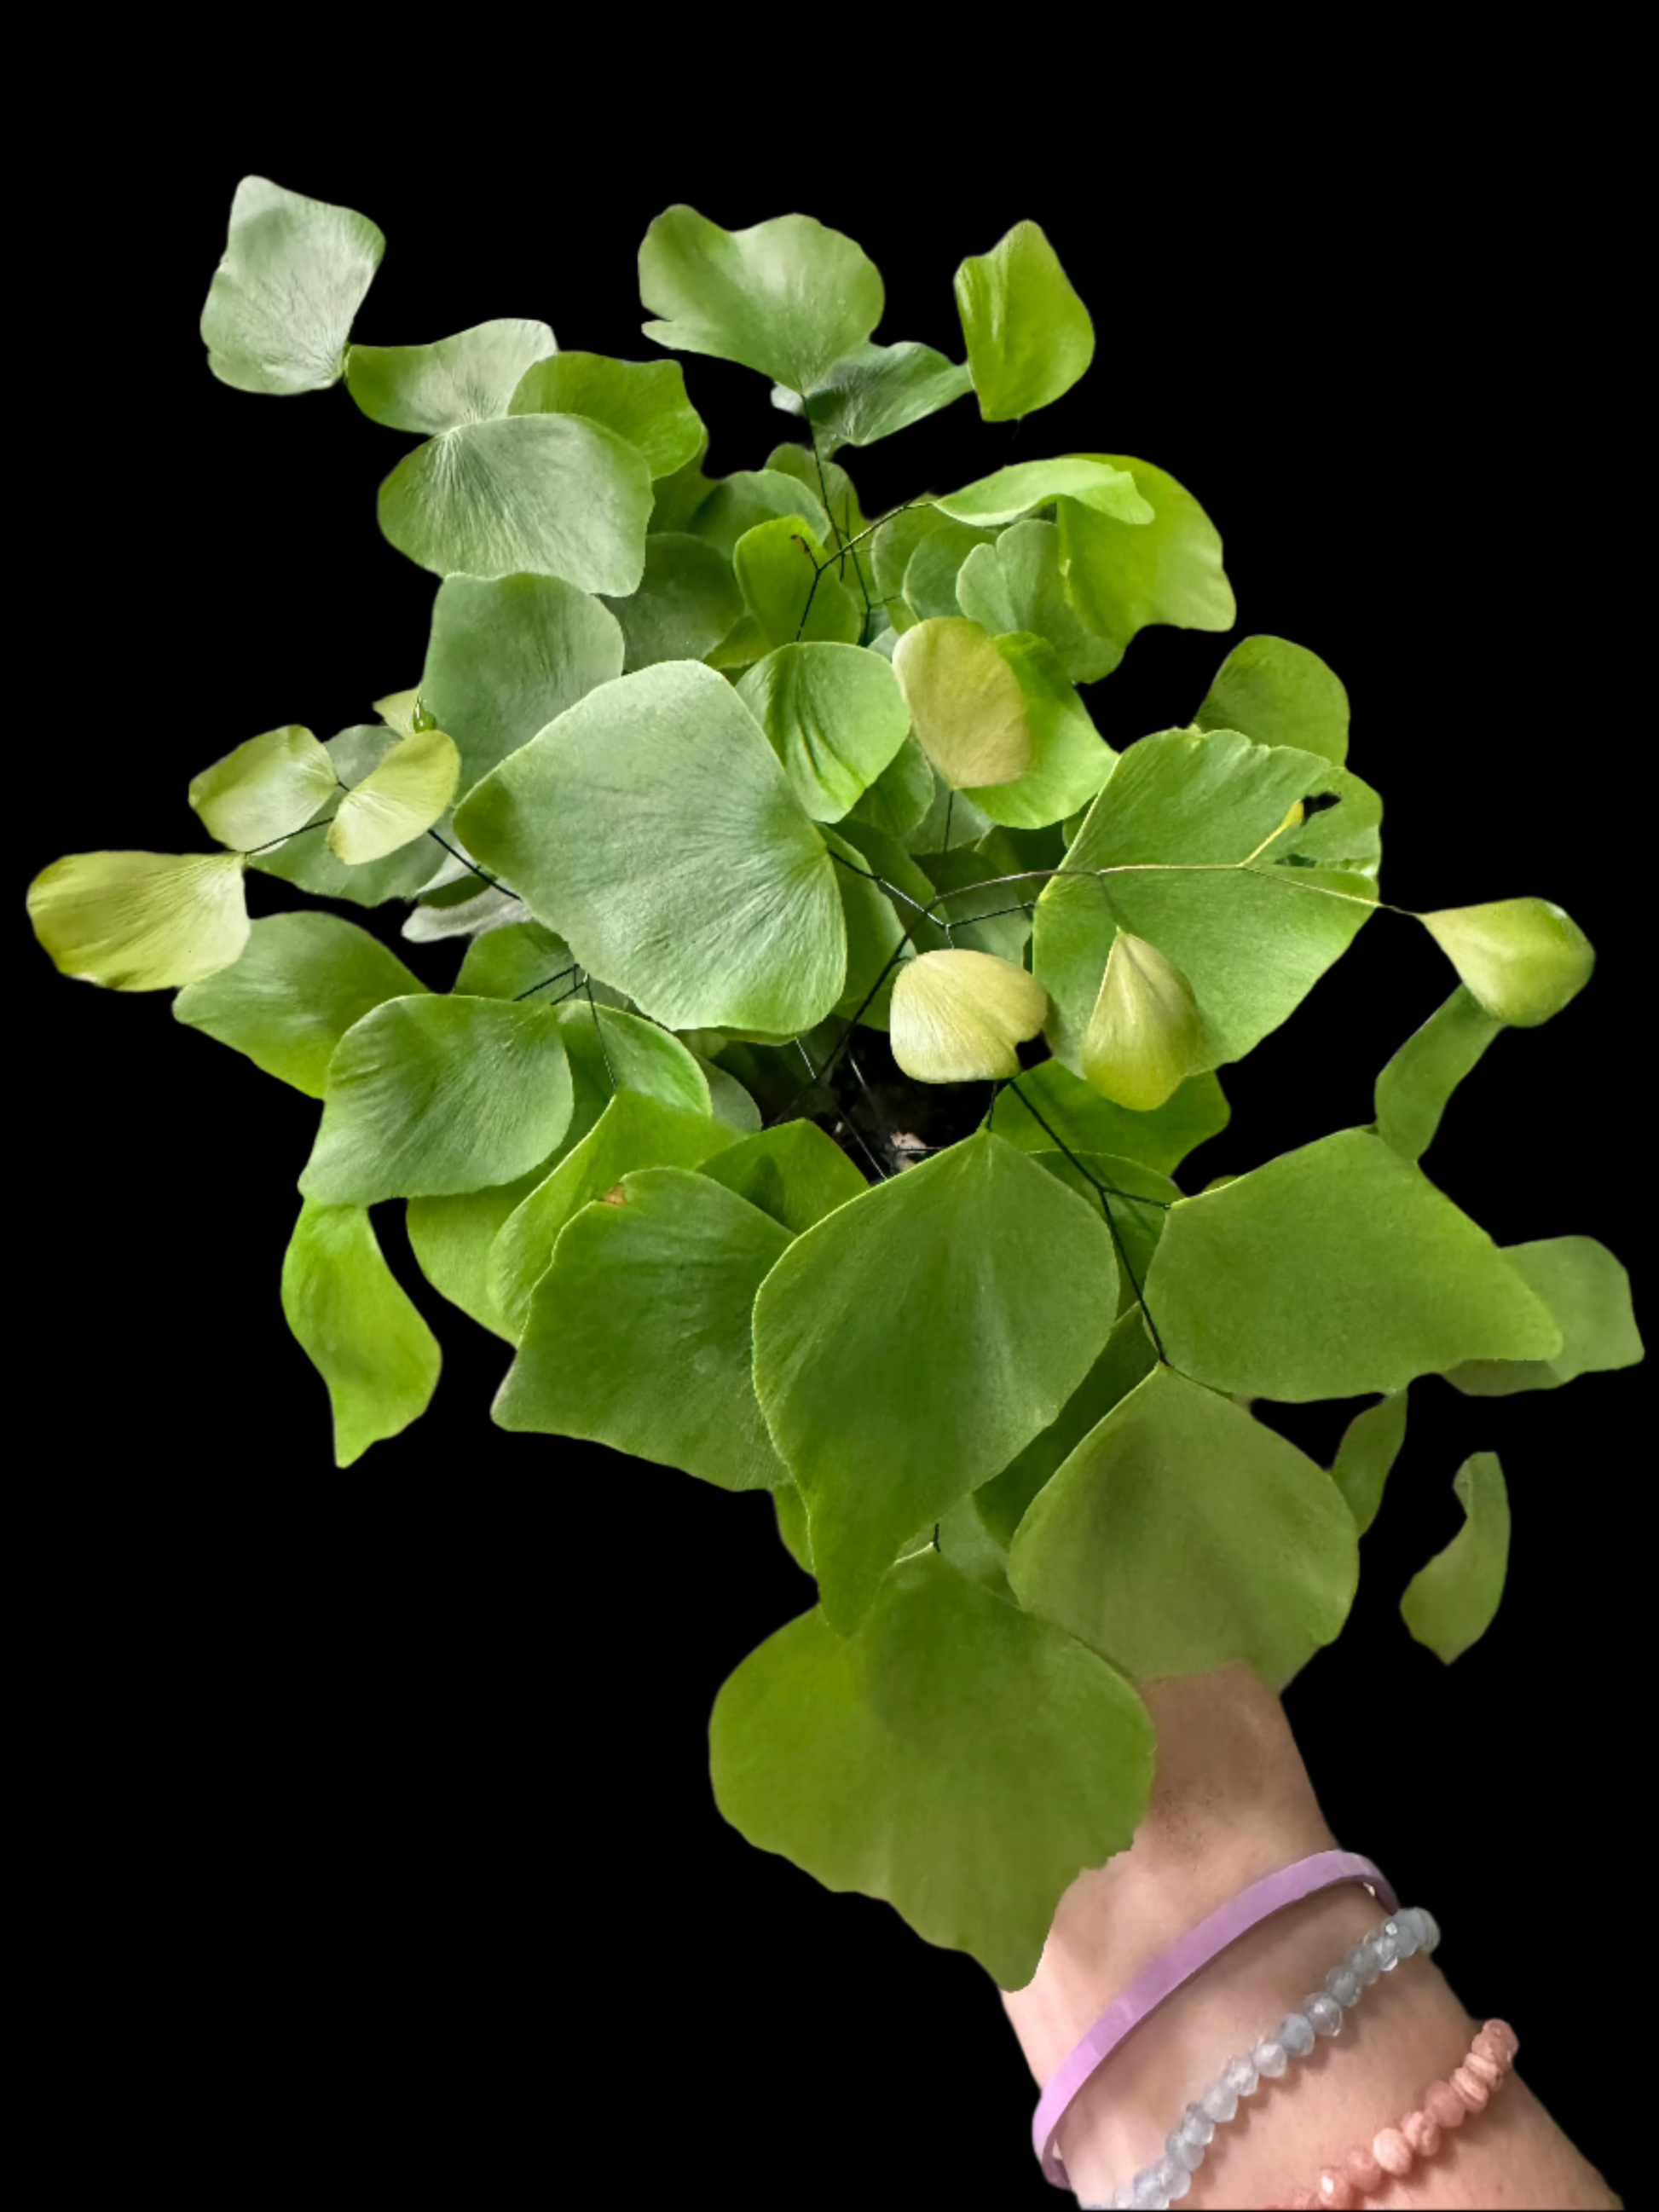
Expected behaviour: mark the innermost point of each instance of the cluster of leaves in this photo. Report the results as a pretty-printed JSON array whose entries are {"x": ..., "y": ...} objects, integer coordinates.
[{"x": 716, "y": 775}]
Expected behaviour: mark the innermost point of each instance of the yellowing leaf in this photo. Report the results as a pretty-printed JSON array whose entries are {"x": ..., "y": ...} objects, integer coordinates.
[
  {"x": 358, "y": 1326},
  {"x": 1524, "y": 958},
  {"x": 1146, "y": 1032},
  {"x": 966, "y": 704},
  {"x": 141, "y": 921},
  {"x": 264, "y": 789},
  {"x": 399, "y": 800},
  {"x": 956, "y": 1017}
]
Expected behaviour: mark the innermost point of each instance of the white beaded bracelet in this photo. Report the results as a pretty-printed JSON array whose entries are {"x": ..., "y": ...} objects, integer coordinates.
[{"x": 1159, "y": 2186}]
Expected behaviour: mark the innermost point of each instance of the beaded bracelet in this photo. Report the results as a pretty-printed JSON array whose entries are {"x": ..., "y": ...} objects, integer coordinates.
[
  {"x": 1392, "y": 2152},
  {"x": 1159, "y": 2186}
]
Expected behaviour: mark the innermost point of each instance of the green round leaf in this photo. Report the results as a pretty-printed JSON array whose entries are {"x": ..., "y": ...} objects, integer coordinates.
[
  {"x": 264, "y": 789},
  {"x": 725, "y": 511},
  {"x": 1009, "y": 492},
  {"x": 876, "y": 390},
  {"x": 553, "y": 495},
  {"x": 305, "y": 861},
  {"x": 511, "y": 962},
  {"x": 634, "y": 1131},
  {"x": 1587, "y": 1295},
  {"x": 1014, "y": 584},
  {"x": 1336, "y": 1269},
  {"x": 1414, "y": 1090},
  {"x": 931, "y": 573},
  {"x": 359, "y": 1329},
  {"x": 303, "y": 980},
  {"x": 292, "y": 276},
  {"x": 639, "y": 1333},
  {"x": 653, "y": 828},
  {"x": 507, "y": 656},
  {"x": 643, "y": 401},
  {"x": 1121, "y": 576},
  {"x": 1069, "y": 760},
  {"x": 1145, "y": 1033},
  {"x": 1127, "y": 1358},
  {"x": 400, "y": 799},
  {"x": 965, "y": 701},
  {"x": 957, "y": 1758},
  {"x": 427, "y": 1096},
  {"x": 956, "y": 1017},
  {"x": 470, "y": 378},
  {"x": 1028, "y": 335},
  {"x": 795, "y": 1172},
  {"x": 1524, "y": 959},
  {"x": 898, "y": 801},
  {"x": 1451, "y": 1603},
  {"x": 833, "y": 715},
  {"x": 141, "y": 921},
  {"x": 1371, "y": 1444},
  {"x": 778, "y": 565},
  {"x": 1279, "y": 694},
  {"x": 893, "y": 1380},
  {"x": 787, "y": 297},
  {"x": 1076, "y": 1116},
  {"x": 1181, "y": 1535},
  {"x": 687, "y": 602}
]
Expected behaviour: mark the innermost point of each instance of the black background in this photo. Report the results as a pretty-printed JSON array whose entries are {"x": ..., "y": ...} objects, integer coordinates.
[{"x": 369, "y": 1810}]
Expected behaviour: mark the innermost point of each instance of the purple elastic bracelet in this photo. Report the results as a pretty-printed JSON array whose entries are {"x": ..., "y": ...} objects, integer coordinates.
[{"x": 1184, "y": 1958}]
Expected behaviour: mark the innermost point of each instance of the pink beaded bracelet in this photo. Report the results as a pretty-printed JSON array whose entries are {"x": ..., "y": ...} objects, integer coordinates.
[{"x": 1392, "y": 2152}]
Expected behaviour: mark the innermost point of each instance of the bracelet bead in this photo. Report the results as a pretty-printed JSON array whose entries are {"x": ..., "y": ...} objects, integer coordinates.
[
  {"x": 1240, "y": 2076},
  {"x": 1472, "y": 2089},
  {"x": 1270, "y": 2058},
  {"x": 1363, "y": 2173},
  {"x": 1422, "y": 2133},
  {"x": 1197, "y": 2126},
  {"x": 1392, "y": 2152},
  {"x": 1296, "y": 2033},
  {"x": 1324, "y": 2013},
  {"x": 1344, "y": 1985}
]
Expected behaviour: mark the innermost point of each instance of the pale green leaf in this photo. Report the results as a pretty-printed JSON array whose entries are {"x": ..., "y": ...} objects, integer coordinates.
[
  {"x": 1201, "y": 852},
  {"x": 687, "y": 602},
  {"x": 1451, "y": 1603},
  {"x": 470, "y": 378},
  {"x": 796, "y": 1173},
  {"x": 1067, "y": 1111},
  {"x": 652, "y": 828},
  {"x": 1145, "y": 1036},
  {"x": 791, "y": 1510},
  {"x": 1121, "y": 576},
  {"x": 966, "y": 704},
  {"x": 897, "y": 802},
  {"x": 876, "y": 390},
  {"x": 1181, "y": 1535},
  {"x": 428, "y": 1095},
  {"x": 643, "y": 401},
  {"x": 1587, "y": 1294},
  {"x": 507, "y": 656},
  {"x": 888, "y": 1406},
  {"x": 1127, "y": 1358},
  {"x": 301, "y": 982},
  {"x": 956, "y": 1017},
  {"x": 728, "y": 1102},
  {"x": 788, "y": 591},
  {"x": 611, "y": 1049},
  {"x": 789, "y": 297},
  {"x": 400, "y": 799},
  {"x": 1279, "y": 694},
  {"x": 634, "y": 1131},
  {"x": 1069, "y": 761},
  {"x": 451, "y": 1237},
  {"x": 1010, "y": 493},
  {"x": 957, "y": 1758},
  {"x": 1014, "y": 584},
  {"x": 1028, "y": 335},
  {"x": 403, "y": 712},
  {"x": 305, "y": 860},
  {"x": 1334, "y": 1270},
  {"x": 1524, "y": 959},
  {"x": 829, "y": 484},
  {"x": 467, "y": 908},
  {"x": 833, "y": 715},
  {"x": 551, "y": 495},
  {"x": 1371, "y": 1444},
  {"x": 264, "y": 789},
  {"x": 358, "y": 1326},
  {"x": 141, "y": 921},
  {"x": 511, "y": 962},
  {"x": 291, "y": 280},
  {"x": 896, "y": 540},
  {"x": 1414, "y": 1090},
  {"x": 639, "y": 1333}
]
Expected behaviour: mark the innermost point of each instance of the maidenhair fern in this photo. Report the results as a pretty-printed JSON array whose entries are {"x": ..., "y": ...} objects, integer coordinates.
[{"x": 715, "y": 777}]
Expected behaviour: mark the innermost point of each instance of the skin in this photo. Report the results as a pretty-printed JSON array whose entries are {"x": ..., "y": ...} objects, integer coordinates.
[{"x": 1231, "y": 1802}]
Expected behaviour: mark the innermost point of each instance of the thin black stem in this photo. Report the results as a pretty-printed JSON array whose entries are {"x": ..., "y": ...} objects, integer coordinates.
[
  {"x": 248, "y": 851},
  {"x": 495, "y": 881},
  {"x": 574, "y": 968},
  {"x": 950, "y": 808},
  {"x": 1106, "y": 1209}
]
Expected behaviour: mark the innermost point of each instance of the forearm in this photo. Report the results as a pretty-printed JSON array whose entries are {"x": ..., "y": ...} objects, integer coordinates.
[{"x": 1232, "y": 1802}]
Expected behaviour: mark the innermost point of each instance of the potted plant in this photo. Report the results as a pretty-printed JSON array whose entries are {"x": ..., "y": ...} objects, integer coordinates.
[{"x": 837, "y": 1011}]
